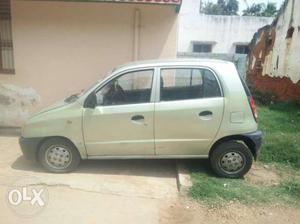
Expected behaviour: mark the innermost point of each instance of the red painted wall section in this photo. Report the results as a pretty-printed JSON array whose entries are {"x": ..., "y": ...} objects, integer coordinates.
[{"x": 283, "y": 88}]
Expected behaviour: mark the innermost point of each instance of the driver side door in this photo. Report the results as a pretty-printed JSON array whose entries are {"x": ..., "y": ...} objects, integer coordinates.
[{"x": 122, "y": 122}]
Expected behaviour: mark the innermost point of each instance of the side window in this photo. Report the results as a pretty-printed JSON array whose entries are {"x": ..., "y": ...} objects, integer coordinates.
[
  {"x": 130, "y": 88},
  {"x": 187, "y": 83}
]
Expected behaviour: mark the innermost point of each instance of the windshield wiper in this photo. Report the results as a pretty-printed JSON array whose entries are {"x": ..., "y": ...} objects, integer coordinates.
[{"x": 71, "y": 98}]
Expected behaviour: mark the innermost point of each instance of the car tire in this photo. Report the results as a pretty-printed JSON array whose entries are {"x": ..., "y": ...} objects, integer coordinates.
[
  {"x": 58, "y": 155},
  {"x": 231, "y": 159}
]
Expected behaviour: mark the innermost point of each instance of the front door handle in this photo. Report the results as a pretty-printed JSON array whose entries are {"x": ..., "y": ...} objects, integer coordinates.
[
  {"x": 205, "y": 113},
  {"x": 137, "y": 118}
]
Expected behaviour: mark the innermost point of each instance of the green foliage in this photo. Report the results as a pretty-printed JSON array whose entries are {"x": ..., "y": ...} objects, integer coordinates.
[
  {"x": 263, "y": 98},
  {"x": 232, "y": 7},
  {"x": 280, "y": 124},
  {"x": 270, "y": 10},
  {"x": 222, "y": 7},
  {"x": 290, "y": 188},
  {"x": 261, "y": 9}
]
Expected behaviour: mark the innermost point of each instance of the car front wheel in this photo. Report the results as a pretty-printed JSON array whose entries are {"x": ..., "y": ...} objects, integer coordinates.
[
  {"x": 58, "y": 155},
  {"x": 231, "y": 159}
]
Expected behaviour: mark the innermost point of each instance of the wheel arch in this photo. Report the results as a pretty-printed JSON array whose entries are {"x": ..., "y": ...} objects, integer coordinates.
[
  {"x": 246, "y": 140},
  {"x": 53, "y": 137}
]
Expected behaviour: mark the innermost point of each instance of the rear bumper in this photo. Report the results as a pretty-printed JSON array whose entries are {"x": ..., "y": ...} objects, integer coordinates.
[
  {"x": 256, "y": 138},
  {"x": 29, "y": 147}
]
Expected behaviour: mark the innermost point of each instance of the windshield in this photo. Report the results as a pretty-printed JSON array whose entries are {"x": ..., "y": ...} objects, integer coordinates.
[
  {"x": 89, "y": 88},
  {"x": 75, "y": 96}
]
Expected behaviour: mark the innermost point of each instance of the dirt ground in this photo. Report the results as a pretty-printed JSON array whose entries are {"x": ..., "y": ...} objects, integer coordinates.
[
  {"x": 193, "y": 213},
  {"x": 262, "y": 175},
  {"x": 113, "y": 191}
]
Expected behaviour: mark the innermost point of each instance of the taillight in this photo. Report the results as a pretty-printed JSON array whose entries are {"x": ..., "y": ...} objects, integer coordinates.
[{"x": 253, "y": 107}]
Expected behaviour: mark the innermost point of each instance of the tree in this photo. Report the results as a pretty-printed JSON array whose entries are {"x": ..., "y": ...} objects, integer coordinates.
[
  {"x": 222, "y": 7},
  {"x": 232, "y": 7},
  {"x": 270, "y": 10},
  {"x": 262, "y": 9},
  {"x": 253, "y": 10},
  {"x": 212, "y": 9}
]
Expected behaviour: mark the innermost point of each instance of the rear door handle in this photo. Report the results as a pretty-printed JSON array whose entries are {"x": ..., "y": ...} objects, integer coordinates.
[
  {"x": 137, "y": 118},
  {"x": 205, "y": 113}
]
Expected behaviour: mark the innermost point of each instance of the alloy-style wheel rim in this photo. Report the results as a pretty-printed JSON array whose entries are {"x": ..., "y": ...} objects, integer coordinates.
[
  {"x": 58, "y": 157},
  {"x": 232, "y": 162}
]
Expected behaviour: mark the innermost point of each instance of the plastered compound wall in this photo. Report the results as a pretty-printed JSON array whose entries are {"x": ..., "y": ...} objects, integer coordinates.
[{"x": 61, "y": 48}]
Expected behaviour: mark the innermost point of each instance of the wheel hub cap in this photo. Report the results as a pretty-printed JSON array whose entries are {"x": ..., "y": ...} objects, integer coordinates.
[
  {"x": 232, "y": 162},
  {"x": 58, "y": 157}
]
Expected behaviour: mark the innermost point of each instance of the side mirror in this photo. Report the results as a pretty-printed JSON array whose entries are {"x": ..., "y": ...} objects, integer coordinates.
[{"x": 90, "y": 101}]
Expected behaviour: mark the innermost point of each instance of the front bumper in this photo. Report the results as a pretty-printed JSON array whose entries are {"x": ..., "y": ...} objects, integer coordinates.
[
  {"x": 29, "y": 147},
  {"x": 256, "y": 139}
]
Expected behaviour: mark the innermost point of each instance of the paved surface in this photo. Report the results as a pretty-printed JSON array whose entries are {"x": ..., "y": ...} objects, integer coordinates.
[{"x": 133, "y": 191}]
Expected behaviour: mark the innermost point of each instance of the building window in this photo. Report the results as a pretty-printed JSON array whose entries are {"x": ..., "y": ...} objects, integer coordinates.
[
  {"x": 241, "y": 49},
  {"x": 6, "y": 45},
  {"x": 202, "y": 48}
]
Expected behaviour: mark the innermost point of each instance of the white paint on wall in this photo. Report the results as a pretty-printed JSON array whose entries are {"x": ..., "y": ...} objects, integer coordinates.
[
  {"x": 15, "y": 104},
  {"x": 226, "y": 31}
]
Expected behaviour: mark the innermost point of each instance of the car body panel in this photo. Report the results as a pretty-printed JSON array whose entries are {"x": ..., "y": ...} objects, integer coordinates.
[
  {"x": 235, "y": 101},
  {"x": 63, "y": 121},
  {"x": 110, "y": 130},
  {"x": 179, "y": 130}
]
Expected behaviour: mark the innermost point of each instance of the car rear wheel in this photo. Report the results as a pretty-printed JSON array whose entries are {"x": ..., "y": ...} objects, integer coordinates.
[
  {"x": 58, "y": 155},
  {"x": 231, "y": 159}
]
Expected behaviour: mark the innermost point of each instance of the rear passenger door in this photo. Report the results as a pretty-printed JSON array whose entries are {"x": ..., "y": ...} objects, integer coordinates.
[{"x": 188, "y": 111}]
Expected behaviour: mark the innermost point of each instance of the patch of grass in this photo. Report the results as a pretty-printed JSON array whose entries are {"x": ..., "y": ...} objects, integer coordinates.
[
  {"x": 278, "y": 149},
  {"x": 290, "y": 188},
  {"x": 216, "y": 192},
  {"x": 280, "y": 124}
]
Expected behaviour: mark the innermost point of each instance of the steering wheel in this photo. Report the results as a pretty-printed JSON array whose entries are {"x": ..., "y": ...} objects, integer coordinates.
[
  {"x": 120, "y": 92},
  {"x": 114, "y": 95}
]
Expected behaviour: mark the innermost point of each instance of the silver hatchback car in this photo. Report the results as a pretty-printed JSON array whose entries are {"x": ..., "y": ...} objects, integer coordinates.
[{"x": 181, "y": 108}]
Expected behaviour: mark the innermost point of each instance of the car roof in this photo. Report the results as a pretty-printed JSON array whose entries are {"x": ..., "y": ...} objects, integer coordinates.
[{"x": 171, "y": 62}]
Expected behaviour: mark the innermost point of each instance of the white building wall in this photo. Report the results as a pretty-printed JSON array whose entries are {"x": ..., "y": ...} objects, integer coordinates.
[{"x": 225, "y": 31}]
